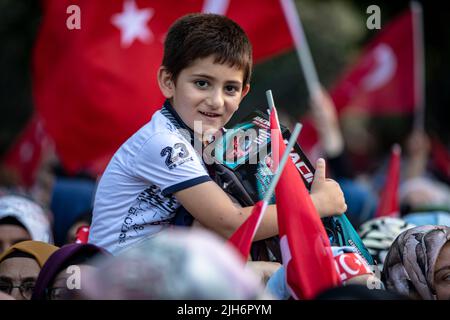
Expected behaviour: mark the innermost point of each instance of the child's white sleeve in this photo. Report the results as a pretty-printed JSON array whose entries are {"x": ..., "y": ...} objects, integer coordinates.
[{"x": 170, "y": 162}]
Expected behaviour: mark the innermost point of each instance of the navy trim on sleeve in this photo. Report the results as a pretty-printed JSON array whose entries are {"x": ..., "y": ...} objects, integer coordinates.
[{"x": 185, "y": 185}]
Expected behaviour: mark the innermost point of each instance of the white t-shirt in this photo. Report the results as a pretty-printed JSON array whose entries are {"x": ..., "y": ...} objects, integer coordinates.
[{"x": 134, "y": 198}]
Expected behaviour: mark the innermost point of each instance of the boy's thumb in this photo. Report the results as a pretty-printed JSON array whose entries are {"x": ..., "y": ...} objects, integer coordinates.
[{"x": 319, "y": 175}]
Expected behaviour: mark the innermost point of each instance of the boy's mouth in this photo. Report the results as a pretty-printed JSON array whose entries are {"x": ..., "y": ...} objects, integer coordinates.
[{"x": 209, "y": 114}]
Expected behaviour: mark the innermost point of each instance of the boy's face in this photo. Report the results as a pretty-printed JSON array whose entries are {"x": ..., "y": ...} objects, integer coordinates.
[{"x": 206, "y": 93}]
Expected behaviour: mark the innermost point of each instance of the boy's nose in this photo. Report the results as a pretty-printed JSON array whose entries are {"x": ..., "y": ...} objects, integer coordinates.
[{"x": 216, "y": 99}]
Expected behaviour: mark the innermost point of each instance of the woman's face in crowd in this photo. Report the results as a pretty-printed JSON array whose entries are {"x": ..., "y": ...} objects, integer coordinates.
[
  {"x": 18, "y": 277},
  {"x": 12, "y": 234},
  {"x": 69, "y": 283},
  {"x": 442, "y": 273}
]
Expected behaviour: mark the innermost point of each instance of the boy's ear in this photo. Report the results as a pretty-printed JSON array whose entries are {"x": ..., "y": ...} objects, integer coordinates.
[
  {"x": 245, "y": 90},
  {"x": 165, "y": 82}
]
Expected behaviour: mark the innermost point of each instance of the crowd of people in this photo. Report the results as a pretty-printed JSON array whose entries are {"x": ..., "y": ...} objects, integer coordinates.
[{"x": 114, "y": 237}]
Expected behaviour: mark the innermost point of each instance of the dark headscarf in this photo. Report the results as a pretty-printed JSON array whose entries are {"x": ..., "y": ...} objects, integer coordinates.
[
  {"x": 410, "y": 263},
  {"x": 69, "y": 254}
]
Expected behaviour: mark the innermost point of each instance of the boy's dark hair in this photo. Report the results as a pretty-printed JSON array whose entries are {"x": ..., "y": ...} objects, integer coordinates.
[{"x": 200, "y": 35}]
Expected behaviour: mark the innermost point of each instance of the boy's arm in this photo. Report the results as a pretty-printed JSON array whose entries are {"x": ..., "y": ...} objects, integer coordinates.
[{"x": 211, "y": 206}]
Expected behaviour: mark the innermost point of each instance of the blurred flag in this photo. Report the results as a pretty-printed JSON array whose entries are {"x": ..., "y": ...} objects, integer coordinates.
[
  {"x": 24, "y": 156},
  {"x": 380, "y": 82},
  {"x": 95, "y": 86},
  {"x": 82, "y": 234},
  {"x": 440, "y": 157},
  {"x": 242, "y": 238},
  {"x": 304, "y": 243},
  {"x": 388, "y": 204},
  {"x": 382, "y": 79}
]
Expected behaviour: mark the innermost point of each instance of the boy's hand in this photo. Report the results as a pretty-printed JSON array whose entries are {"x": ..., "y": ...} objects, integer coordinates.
[{"x": 326, "y": 194}]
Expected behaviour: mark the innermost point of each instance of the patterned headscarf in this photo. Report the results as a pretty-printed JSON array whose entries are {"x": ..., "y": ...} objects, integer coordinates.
[{"x": 410, "y": 263}]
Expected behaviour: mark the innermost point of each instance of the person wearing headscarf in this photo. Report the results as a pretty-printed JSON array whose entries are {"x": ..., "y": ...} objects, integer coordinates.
[
  {"x": 418, "y": 263},
  {"x": 187, "y": 264},
  {"x": 61, "y": 276},
  {"x": 22, "y": 219},
  {"x": 20, "y": 266}
]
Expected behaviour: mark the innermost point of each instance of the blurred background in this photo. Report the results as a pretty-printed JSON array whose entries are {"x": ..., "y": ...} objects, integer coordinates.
[{"x": 336, "y": 32}]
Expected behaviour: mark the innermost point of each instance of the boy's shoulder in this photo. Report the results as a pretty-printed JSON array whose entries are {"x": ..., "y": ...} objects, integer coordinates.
[
  {"x": 160, "y": 127},
  {"x": 157, "y": 137}
]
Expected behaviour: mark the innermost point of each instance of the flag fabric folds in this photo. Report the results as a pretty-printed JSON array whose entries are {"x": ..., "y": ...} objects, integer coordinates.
[
  {"x": 304, "y": 243},
  {"x": 242, "y": 238}
]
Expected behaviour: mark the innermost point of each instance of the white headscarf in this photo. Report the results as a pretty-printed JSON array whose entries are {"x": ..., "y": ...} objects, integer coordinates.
[{"x": 28, "y": 213}]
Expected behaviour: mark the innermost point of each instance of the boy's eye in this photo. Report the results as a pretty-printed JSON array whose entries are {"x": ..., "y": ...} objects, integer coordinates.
[
  {"x": 231, "y": 89},
  {"x": 201, "y": 84}
]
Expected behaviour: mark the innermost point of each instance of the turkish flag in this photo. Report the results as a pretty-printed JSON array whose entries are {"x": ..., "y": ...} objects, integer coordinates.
[
  {"x": 388, "y": 204},
  {"x": 242, "y": 238},
  {"x": 380, "y": 82},
  {"x": 24, "y": 156},
  {"x": 305, "y": 247},
  {"x": 96, "y": 85},
  {"x": 382, "y": 79}
]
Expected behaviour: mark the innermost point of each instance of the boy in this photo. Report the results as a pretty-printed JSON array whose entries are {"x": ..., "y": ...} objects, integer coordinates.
[{"x": 204, "y": 75}]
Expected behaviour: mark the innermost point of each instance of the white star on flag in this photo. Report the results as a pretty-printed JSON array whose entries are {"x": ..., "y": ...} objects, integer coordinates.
[{"x": 132, "y": 23}]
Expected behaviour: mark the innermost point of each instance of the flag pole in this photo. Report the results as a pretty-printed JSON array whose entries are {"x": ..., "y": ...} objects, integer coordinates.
[
  {"x": 301, "y": 46},
  {"x": 419, "y": 66},
  {"x": 273, "y": 183},
  {"x": 270, "y": 101},
  {"x": 283, "y": 162}
]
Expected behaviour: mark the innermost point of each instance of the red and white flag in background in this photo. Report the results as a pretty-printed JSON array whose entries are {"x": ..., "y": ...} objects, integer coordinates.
[
  {"x": 24, "y": 156},
  {"x": 389, "y": 201},
  {"x": 305, "y": 247},
  {"x": 381, "y": 81},
  {"x": 95, "y": 86}
]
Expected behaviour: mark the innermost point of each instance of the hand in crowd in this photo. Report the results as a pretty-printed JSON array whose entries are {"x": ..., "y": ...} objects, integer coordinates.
[
  {"x": 418, "y": 147},
  {"x": 326, "y": 194},
  {"x": 327, "y": 124}
]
